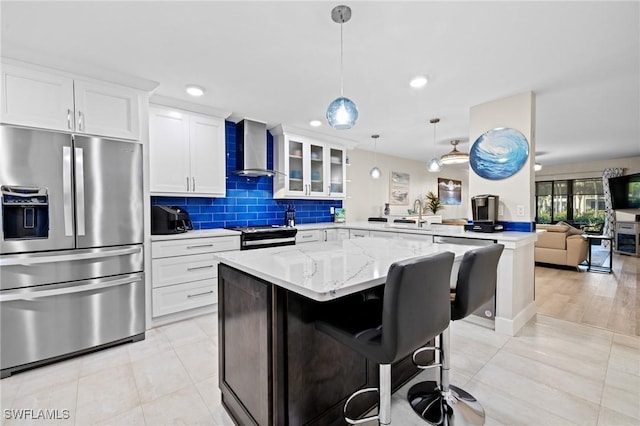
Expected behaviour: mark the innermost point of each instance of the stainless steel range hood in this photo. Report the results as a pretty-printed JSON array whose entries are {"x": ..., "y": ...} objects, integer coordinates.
[{"x": 251, "y": 149}]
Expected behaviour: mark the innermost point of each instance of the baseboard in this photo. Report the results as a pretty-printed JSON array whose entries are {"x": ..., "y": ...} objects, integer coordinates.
[{"x": 511, "y": 326}]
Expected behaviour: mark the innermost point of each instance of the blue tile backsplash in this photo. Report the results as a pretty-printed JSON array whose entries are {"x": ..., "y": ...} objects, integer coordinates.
[{"x": 249, "y": 201}]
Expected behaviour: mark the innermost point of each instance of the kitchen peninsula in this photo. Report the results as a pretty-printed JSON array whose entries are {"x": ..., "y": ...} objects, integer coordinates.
[
  {"x": 274, "y": 367},
  {"x": 515, "y": 303}
]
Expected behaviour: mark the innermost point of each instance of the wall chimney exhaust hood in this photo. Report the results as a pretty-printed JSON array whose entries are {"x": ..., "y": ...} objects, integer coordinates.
[{"x": 251, "y": 149}]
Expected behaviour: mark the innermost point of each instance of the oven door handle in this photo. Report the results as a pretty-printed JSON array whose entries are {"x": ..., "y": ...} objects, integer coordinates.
[
  {"x": 27, "y": 260},
  {"x": 96, "y": 284}
]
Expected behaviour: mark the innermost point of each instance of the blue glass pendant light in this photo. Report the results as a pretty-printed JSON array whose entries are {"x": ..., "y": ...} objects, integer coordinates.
[{"x": 342, "y": 113}]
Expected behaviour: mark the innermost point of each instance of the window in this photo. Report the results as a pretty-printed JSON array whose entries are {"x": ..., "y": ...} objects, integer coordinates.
[{"x": 579, "y": 202}]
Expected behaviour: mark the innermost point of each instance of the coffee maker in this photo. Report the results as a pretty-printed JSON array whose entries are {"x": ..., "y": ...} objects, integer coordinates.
[{"x": 485, "y": 214}]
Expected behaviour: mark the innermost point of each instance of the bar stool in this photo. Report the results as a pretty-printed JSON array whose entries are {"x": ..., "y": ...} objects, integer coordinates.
[
  {"x": 414, "y": 309},
  {"x": 445, "y": 404}
]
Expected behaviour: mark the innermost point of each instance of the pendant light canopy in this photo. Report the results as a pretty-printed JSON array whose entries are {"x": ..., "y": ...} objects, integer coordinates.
[
  {"x": 342, "y": 113},
  {"x": 454, "y": 156},
  {"x": 434, "y": 163},
  {"x": 375, "y": 171}
]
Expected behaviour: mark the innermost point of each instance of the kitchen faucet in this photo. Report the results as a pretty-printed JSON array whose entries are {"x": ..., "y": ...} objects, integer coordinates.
[{"x": 420, "y": 207}]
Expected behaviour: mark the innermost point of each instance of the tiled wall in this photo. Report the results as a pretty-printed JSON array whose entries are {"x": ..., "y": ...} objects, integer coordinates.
[{"x": 249, "y": 201}]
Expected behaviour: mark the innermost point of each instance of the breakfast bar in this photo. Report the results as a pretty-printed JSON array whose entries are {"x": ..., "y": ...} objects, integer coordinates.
[{"x": 274, "y": 366}]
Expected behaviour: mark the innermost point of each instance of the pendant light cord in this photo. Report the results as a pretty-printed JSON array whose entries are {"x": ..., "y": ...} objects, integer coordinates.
[
  {"x": 375, "y": 149},
  {"x": 434, "y": 139},
  {"x": 341, "y": 64}
]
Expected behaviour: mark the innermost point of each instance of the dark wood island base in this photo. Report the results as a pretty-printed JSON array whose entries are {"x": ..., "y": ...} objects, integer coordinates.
[{"x": 276, "y": 369}]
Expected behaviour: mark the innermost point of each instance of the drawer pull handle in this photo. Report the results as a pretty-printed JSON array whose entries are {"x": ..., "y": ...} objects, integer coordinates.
[
  {"x": 200, "y": 294},
  {"x": 307, "y": 236},
  {"x": 200, "y": 246},
  {"x": 195, "y": 268}
]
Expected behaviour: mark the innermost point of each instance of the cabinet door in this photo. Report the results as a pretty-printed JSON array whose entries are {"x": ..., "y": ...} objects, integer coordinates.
[
  {"x": 36, "y": 99},
  {"x": 103, "y": 109},
  {"x": 169, "y": 151},
  {"x": 330, "y": 234},
  {"x": 337, "y": 171},
  {"x": 295, "y": 168},
  {"x": 208, "y": 173},
  {"x": 317, "y": 178},
  {"x": 342, "y": 234}
]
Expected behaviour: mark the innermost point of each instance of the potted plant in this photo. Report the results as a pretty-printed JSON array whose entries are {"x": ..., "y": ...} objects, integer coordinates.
[{"x": 433, "y": 203}]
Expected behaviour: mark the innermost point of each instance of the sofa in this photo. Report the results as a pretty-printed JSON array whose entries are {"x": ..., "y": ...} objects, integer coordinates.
[{"x": 560, "y": 244}]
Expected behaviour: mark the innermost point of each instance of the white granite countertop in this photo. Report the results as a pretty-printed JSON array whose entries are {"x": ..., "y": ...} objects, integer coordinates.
[
  {"x": 200, "y": 233},
  {"x": 433, "y": 229},
  {"x": 328, "y": 270}
]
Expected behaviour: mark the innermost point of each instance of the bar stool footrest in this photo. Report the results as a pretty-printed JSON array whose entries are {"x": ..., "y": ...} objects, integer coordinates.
[{"x": 364, "y": 419}]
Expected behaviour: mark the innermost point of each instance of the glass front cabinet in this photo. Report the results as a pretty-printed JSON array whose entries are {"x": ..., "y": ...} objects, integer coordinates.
[{"x": 311, "y": 168}]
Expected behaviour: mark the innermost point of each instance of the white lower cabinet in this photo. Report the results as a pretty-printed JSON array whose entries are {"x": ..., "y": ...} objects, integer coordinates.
[
  {"x": 185, "y": 272},
  {"x": 358, "y": 233},
  {"x": 308, "y": 236},
  {"x": 336, "y": 234},
  {"x": 177, "y": 298}
]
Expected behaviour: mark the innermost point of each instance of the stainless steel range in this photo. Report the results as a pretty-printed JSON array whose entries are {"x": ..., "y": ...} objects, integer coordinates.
[{"x": 255, "y": 237}]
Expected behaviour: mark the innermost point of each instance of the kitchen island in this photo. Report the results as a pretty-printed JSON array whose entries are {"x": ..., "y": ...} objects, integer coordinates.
[{"x": 274, "y": 367}]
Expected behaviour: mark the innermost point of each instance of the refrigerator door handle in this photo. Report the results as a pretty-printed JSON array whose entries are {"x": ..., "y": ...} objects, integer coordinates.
[
  {"x": 27, "y": 260},
  {"x": 79, "y": 160},
  {"x": 97, "y": 284},
  {"x": 66, "y": 191}
]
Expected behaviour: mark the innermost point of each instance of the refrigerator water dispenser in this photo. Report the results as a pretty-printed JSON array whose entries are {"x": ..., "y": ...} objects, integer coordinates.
[{"x": 25, "y": 212}]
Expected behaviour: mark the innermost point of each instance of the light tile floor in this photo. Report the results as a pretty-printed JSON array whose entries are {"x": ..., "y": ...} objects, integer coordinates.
[{"x": 552, "y": 373}]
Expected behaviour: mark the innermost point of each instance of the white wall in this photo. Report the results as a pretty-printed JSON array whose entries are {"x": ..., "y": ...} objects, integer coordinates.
[
  {"x": 590, "y": 169},
  {"x": 366, "y": 196},
  {"x": 517, "y": 112}
]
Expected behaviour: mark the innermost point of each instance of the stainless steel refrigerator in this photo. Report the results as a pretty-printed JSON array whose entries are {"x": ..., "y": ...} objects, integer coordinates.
[{"x": 71, "y": 256}]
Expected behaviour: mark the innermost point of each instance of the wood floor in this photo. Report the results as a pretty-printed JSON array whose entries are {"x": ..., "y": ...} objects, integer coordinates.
[{"x": 609, "y": 301}]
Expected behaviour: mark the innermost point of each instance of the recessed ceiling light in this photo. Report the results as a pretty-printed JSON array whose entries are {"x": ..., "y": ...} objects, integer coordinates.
[
  {"x": 195, "y": 90},
  {"x": 315, "y": 123},
  {"x": 418, "y": 81}
]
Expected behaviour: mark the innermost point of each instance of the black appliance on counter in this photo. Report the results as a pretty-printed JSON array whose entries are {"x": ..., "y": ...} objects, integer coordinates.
[
  {"x": 485, "y": 214},
  {"x": 169, "y": 220},
  {"x": 255, "y": 237}
]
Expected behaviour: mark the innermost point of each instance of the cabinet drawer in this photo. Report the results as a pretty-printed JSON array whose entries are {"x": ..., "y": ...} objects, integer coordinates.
[
  {"x": 307, "y": 236},
  {"x": 161, "y": 249},
  {"x": 180, "y": 297},
  {"x": 181, "y": 269},
  {"x": 358, "y": 233}
]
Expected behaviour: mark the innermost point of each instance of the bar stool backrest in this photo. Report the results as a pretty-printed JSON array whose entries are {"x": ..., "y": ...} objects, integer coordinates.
[
  {"x": 477, "y": 279},
  {"x": 416, "y": 304}
]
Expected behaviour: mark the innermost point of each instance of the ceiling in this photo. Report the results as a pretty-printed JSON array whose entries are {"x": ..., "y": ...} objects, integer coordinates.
[{"x": 279, "y": 62}]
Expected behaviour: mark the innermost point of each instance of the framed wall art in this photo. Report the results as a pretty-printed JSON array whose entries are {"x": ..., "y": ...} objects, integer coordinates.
[
  {"x": 399, "y": 189},
  {"x": 450, "y": 191}
]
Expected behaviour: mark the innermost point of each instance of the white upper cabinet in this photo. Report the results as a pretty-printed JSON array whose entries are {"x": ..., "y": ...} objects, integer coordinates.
[
  {"x": 103, "y": 109},
  {"x": 312, "y": 168},
  {"x": 50, "y": 100},
  {"x": 186, "y": 153}
]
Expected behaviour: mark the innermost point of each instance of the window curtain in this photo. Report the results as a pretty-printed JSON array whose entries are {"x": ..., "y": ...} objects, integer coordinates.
[{"x": 608, "y": 228}]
